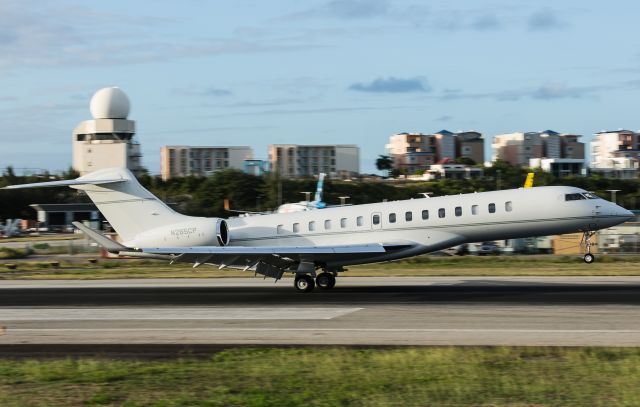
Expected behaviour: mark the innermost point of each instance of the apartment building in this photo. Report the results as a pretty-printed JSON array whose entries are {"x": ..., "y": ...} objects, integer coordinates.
[
  {"x": 182, "y": 161},
  {"x": 413, "y": 152},
  {"x": 616, "y": 153},
  {"x": 295, "y": 160},
  {"x": 560, "y": 154}
]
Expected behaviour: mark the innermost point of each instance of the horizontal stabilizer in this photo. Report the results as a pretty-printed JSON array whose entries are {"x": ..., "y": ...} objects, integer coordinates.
[
  {"x": 279, "y": 250},
  {"x": 65, "y": 183},
  {"x": 102, "y": 240}
]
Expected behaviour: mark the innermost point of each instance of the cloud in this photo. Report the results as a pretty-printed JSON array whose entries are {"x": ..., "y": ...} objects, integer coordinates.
[
  {"x": 560, "y": 90},
  {"x": 393, "y": 85},
  {"x": 486, "y": 22},
  {"x": 216, "y": 92},
  {"x": 546, "y": 91},
  {"x": 202, "y": 91},
  {"x": 444, "y": 118},
  {"x": 544, "y": 20},
  {"x": 345, "y": 9},
  {"x": 48, "y": 35}
]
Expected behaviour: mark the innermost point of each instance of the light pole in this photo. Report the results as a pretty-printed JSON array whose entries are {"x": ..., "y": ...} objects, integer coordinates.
[{"x": 613, "y": 194}]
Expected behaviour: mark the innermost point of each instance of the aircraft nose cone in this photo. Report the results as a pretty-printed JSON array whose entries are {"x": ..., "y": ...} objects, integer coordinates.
[{"x": 630, "y": 215}]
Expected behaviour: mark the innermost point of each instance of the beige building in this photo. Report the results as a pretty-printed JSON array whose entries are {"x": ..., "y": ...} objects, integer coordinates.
[
  {"x": 470, "y": 144},
  {"x": 201, "y": 161},
  {"x": 616, "y": 153},
  {"x": 521, "y": 147},
  {"x": 295, "y": 160},
  {"x": 108, "y": 139},
  {"x": 517, "y": 148},
  {"x": 413, "y": 152}
]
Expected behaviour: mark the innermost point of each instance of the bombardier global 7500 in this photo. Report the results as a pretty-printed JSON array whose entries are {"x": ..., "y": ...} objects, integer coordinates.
[{"x": 317, "y": 245}]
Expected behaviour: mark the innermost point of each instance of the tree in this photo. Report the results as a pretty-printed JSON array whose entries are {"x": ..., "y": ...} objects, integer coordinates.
[
  {"x": 384, "y": 163},
  {"x": 465, "y": 161}
]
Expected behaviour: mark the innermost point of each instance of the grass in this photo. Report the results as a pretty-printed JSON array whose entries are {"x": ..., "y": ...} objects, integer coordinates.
[
  {"x": 419, "y": 266},
  {"x": 30, "y": 239},
  {"x": 335, "y": 376},
  {"x": 10, "y": 253}
]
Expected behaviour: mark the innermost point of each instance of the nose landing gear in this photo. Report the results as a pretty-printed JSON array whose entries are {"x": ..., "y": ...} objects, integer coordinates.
[{"x": 586, "y": 240}]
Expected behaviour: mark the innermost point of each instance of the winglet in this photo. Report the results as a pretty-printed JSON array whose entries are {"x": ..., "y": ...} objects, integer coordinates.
[
  {"x": 110, "y": 245},
  {"x": 529, "y": 181}
]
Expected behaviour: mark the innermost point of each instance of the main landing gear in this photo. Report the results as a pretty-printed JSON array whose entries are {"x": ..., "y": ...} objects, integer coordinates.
[
  {"x": 305, "y": 283},
  {"x": 586, "y": 240}
]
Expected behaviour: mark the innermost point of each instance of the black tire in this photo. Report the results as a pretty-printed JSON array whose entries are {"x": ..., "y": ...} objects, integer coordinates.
[
  {"x": 589, "y": 258},
  {"x": 304, "y": 283},
  {"x": 325, "y": 281}
]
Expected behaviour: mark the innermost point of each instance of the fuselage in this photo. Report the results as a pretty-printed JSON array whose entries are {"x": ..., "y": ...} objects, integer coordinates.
[{"x": 430, "y": 224}]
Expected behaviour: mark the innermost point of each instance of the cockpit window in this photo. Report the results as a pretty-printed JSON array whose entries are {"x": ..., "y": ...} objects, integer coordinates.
[
  {"x": 574, "y": 197},
  {"x": 590, "y": 195}
]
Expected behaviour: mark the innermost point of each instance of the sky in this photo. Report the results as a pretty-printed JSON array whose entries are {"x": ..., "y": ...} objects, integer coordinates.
[{"x": 339, "y": 71}]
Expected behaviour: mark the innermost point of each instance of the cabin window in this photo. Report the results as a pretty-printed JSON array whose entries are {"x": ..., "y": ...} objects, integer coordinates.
[
  {"x": 327, "y": 224},
  {"x": 392, "y": 218},
  {"x": 343, "y": 223},
  {"x": 508, "y": 206},
  {"x": 425, "y": 214},
  {"x": 408, "y": 216},
  {"x": 312, "y": 226},
  {"x": 280, "y": 229},
  {"x": 492, "y": 208},
  {"x": 376, "y": 219},
  {"x": 574, "y": 197},
  {"x": 474, "y": 209},
  {"x": 441, "y": 213},
  {"x": 296, "y": 227},
  {"x": 458, "y": 211},
  {"x": 359, "y": 221}
]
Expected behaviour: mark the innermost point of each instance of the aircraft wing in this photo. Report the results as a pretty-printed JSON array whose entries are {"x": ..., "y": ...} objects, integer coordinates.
[
  {"x": 281, "y": 257},
  {"x": 278, "y": 250}
]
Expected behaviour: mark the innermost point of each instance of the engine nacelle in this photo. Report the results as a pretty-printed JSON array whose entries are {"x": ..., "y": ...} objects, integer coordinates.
[{"x": 193, "y": 232}]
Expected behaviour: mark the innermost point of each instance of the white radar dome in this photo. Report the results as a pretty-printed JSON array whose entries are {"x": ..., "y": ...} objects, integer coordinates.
[{"x": 110, "y": 103}]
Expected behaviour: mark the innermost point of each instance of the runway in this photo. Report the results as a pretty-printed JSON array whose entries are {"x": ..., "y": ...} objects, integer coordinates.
[{"x": 559, "y": 311}]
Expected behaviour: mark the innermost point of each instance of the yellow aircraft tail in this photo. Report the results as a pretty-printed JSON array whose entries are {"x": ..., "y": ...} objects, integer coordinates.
[{"x": 528, "y": 183}]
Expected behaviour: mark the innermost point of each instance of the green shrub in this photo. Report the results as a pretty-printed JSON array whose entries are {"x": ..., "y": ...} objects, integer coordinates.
[{"x": 11, "y": 253}]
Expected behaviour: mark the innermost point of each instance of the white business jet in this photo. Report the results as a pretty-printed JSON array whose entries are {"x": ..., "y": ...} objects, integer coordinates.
[{"x": 321, "y": 243}]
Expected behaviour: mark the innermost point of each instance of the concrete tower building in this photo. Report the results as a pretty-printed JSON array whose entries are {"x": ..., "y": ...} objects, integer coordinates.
[{"x": 107, "y": 140}]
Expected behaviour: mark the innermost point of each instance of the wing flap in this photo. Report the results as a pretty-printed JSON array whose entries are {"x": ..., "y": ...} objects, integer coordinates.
[{"x": 268, "y": 250}]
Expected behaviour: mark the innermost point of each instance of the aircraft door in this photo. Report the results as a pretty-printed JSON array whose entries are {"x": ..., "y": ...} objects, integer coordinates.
[{"x": 376, "y": 220}]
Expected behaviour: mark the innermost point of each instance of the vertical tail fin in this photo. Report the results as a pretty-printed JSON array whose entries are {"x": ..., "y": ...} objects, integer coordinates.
[
  {"x": 127, "y": 205},
  {"x": 319, "y": 187}
]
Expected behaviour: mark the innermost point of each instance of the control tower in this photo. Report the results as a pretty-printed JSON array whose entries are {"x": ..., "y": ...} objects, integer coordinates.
[{"x": 107, "y": 140}]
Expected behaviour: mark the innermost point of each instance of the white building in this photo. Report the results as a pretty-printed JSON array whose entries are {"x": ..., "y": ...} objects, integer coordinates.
[
  {"x": 201, "y": 161},
  {"x": 559, "y": 167},
  {"x": 294, "y": 160},
  {"x": 106, "y": 140},
  {"x": 616, "y": 153}
]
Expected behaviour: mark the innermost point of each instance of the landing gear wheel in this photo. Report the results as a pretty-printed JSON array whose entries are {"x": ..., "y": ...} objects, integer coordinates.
[
  {"x": 325, "y": 281},
  {"x": 589, "y": 258},
  {"x": 304, "y": 283}
]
